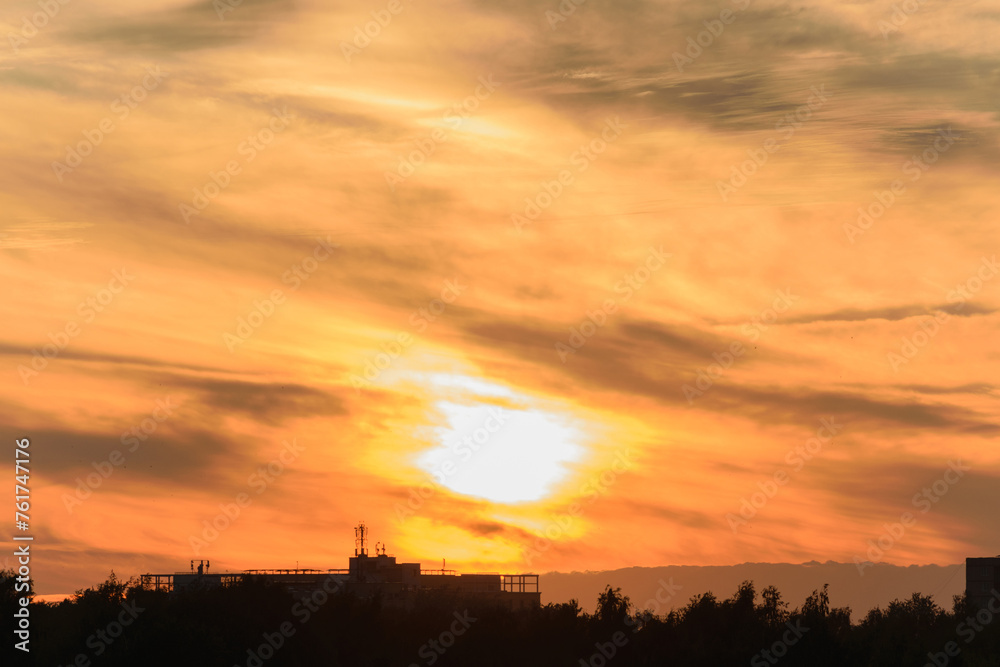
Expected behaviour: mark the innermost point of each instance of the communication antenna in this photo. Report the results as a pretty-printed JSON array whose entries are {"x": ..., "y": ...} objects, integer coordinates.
[{"x": 361, "y": 539}]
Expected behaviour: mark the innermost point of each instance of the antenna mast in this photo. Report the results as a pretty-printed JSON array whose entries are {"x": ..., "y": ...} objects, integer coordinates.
[{"x": 361, "y": 539}]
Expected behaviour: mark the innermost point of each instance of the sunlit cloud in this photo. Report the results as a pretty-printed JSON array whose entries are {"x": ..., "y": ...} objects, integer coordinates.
[{"x": 436, "y": 315}]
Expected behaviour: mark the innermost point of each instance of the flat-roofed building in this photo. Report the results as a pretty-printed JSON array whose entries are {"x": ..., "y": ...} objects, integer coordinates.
[
  {"x": 982, "y": 580},
  {"x": 398, "y": 584}
]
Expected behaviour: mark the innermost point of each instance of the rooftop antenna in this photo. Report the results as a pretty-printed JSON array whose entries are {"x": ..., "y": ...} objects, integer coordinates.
[{"x": 361, "y": 539}]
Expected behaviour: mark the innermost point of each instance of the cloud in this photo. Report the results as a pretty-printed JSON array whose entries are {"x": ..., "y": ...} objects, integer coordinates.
[
  {"x": 196, "y": 26},
  {"x": 325, "y": 176},
  {"x": 176, "y": 455},
  {"x": 272, "y": 403},
  {"x": 892, "y": 314}
]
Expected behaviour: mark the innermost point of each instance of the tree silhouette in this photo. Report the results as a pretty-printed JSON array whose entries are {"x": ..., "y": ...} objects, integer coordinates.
[
  {"x": 231, "y": 625},
  {"x": 612, "y": 607}
]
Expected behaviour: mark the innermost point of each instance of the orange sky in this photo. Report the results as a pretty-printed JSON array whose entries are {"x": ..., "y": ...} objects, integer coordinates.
[{"x": 496, "y": 250}]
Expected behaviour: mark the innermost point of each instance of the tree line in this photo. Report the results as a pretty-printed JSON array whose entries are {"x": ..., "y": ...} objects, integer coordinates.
[{"x": 259, "y": 624}]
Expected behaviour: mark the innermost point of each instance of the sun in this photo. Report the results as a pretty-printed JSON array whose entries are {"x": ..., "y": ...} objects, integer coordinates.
[{"x": 491, "y": 450}]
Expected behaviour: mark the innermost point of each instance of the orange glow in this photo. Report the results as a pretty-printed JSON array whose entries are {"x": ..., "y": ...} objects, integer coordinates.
[{"x": 366, "y": 254}]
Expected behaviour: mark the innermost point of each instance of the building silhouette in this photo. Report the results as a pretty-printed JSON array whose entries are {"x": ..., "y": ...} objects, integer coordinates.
[
  {"x": 367, "y": 575},
  {"x": 982, "y": 580}
]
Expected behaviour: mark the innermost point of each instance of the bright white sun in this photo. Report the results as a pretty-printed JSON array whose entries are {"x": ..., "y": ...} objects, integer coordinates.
[{"x": 495, "y": 452}]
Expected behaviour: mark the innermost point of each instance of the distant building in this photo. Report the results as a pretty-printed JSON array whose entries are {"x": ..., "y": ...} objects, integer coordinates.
[
  {"x": 982, "y": 580},
  {"x": 399, "y": 584}
]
